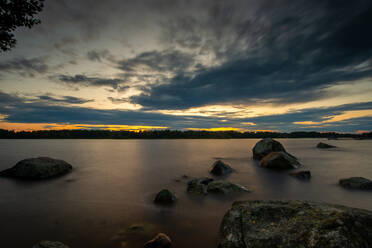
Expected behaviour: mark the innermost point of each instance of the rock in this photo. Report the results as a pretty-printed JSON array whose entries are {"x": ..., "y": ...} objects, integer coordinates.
[
  {"x": 219, "y": 168},
  {"x": 322, "y": 145},
  {"x": 50, "y": 244},
  {"x": 38, "y": 168},
  {"x": 266, "y": 146},
  {"x": 208, "y": 185},
  {"x": 302, "y": 175},
  {"x": 356, "y": 183},
  {"x": 165, "y": 197},
  {"x": 198, "y": 185},
  {"x": 160, "y": 241},
  {"x": 279, "y": 160},
  {"x": 224, "y": 187},
  {"x": 293, "y": 224}
]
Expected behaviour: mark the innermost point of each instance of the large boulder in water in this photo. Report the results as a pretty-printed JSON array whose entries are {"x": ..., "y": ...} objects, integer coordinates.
[
  {"x": 266, "y": 146},
  {"x": 160, "y": 241},
  {"x": 356, "y": 183},
  {"x": 293, "y": 224},
  {"x": 38, "y": 168},
  {"x": 279, "y": 160},
  {"x": 322, "y": 145},
  {"x": 203, "y": 186},
  {"x": 220, "y": 168},
  {"x": 50, "y": 244},
  {"x": 165, "y": 197}
]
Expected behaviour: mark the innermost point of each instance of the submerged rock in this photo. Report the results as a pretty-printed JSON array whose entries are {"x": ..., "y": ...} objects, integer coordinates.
[
  {"x": 279, "y": 160},
  {"x": 50, "y": 244},
  {"x": 302, "y": 175},
  {"x": 208, "y": 185},
  {"x": 198, "y": 185},
  {"x": 266, "y": 146},
  {"x": 293, "y": 224},
  {"x": 220, "y": 168},
  {"x": 224, "y": 187},
  {"x": 356, "y": 183},
  {"x": 165, "y": 197},
  {"x": 160, "y": 241},
  {"x": 322, "y": 145},
  {"x": 38, "y": 168}
]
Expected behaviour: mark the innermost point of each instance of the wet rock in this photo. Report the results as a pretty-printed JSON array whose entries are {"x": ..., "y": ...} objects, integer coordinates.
[
  {"x": 293, "y": 224},
  {"x": 302, "y": 175},
  {"x": 38, "y": 168},
  {"x": 322, "y": 145},
  {"x": 50, "y": 244},
  {"x": 356, "y": 183},
  {"x": 224, "y": 187},
  {"x": 220, "y": 168},
  {"x": 198, "y": 185},
  {"x": 279, "y": 160},
  {"x": 266, "y": 146},
  {"x": 165, "y": 197},
  {"x": 160, "y": 241},
  {"x": 204, "y": 186}
]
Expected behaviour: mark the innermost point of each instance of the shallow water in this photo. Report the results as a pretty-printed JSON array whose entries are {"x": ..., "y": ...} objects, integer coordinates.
[{"x": 114, "y": 182}]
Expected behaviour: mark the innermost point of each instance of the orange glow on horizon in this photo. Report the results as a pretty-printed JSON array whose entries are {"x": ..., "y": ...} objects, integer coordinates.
[{"x": 55, "y": 126}]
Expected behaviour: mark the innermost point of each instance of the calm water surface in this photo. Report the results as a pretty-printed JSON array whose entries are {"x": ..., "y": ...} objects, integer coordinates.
[{"x": 114, "y": 182}]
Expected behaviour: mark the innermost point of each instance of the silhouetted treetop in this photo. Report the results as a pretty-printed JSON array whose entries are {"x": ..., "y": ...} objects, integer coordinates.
[{"x": 14, "y": 14}]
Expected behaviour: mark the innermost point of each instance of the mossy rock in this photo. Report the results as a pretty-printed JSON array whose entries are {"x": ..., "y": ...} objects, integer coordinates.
[
  {"x": 165, "y": 197},
  {"x": 50, "y": 244},
  {"x": 294, "y": 224},
  {"x": 356, "y": 183}
]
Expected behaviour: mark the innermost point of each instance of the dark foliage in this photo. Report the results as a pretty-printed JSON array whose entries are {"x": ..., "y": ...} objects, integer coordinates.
[
  {"x": 168, "y": 134},
  {"x": 14, "y": 14}
]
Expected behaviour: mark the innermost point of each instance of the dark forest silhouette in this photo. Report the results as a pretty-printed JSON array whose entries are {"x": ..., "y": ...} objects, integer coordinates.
[{"x": 169, "y": 134}]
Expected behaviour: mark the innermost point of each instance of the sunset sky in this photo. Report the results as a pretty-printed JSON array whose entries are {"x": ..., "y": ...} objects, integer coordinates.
[{"x": 283, "y": 65}]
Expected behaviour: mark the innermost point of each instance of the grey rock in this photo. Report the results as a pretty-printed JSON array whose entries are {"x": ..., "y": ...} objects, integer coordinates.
[
  {"x": 50, "y": 244},
  {"x": 356, "y": 183},
  {"x": 220, "y": 168},
  {"x": 160, "y": 241},
  {"x": 38, "y": 168},
  {"x": 294, "y": 224},
  {"x": 224, "y": 187},
  {"x": 165, "y": 197},
  {"x": 302, "y": 175},
  {"x": 266, "y": 146},
  {"x": 322, "y": 145},
  {"x": 203, "y": 186},
  {"x": 198, "y": 185},
  {"x": 279, "y": 160}
]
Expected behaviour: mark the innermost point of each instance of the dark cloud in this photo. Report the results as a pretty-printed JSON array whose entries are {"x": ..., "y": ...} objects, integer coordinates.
[
  {"x": 80, "y": 80},
  {"x": 99, "y": 55},
  {"x": 17, "y": 109},
  {"x": 118, "y": 100},
  {"x": 289, "y": 55},
  {"x": 25, "y": 67},
  {"x": 158, "y": 61},
  {"x": 52, "y": 99}
]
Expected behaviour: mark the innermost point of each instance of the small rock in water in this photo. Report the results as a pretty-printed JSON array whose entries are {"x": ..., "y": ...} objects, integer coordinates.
[
  {"x": 38, "y": 168},
  {"x": 302, "y": 175},
  {"x": 165, "y": 197},
  {"x": 160, "y": 241},
  {"x": 279, "y": 160},
  {"x": 266, "y": 146},
  {"x": 224, "y": 187},
  {"x": 50, "y": 244},
  {"x": 220, "y": 168},
  {"x": 198, "y": 185},
  {"x": 203, "y": 186},
  {"x": 356, "y": 183},
  {"x": 322, "y": 145}
]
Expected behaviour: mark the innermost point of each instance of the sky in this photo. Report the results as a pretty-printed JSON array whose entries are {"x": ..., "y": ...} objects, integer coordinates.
[{"x": 279, "y": 65}]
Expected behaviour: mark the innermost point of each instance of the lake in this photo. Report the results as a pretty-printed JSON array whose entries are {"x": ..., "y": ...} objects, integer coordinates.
[{"x": 114, "y": 182}]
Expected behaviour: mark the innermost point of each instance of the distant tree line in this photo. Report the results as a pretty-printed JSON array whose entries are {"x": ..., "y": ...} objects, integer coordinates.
[{"x": 169, "y": 134}]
